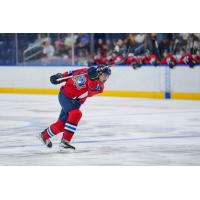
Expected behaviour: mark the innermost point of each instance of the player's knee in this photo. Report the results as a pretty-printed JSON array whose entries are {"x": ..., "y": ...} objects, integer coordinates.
[{"x": 75, "y": 115}]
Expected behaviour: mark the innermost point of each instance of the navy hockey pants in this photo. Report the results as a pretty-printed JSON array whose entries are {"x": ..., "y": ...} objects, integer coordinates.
[{"x": 67, "y": 104}]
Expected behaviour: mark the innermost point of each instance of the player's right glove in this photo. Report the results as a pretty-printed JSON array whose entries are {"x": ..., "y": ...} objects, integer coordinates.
[
  {"x": 93, "y": 73},
  {"x": 54, "y": 78}
]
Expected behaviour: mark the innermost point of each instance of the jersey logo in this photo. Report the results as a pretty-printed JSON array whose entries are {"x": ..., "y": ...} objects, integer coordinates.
[
  {"x": 79, "y": 81},
  {"x": 98, "y": 88}
]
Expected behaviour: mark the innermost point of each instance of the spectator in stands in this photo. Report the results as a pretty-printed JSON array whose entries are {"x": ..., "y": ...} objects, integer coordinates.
[
  {"x": 151, "y": 48},
  {"x": 69, "y": 40},
  {"x": 109, "y": 45},
  {"x": 83, "y": 41},
  {"x": 164, "y": 45},
  {"x": 193, "y": 43},
  {"x": 48, "y": 50},
  {"x": 179, "y": 42},
  {"x": 67, "y": 58},
  {"x": 120, "y": 47},
  {"x": 59, "y": 47},
  {"x": 130, "y": 41},
  {"x": 41, "y": 38},
  {"x": 82, "y": 58},
  {"x": 140, "y": 43},
  {"x": 101, "y": 47}
]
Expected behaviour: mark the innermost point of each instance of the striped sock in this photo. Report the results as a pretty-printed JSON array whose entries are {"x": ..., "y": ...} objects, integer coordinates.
[
  {"x": 50, "y": 132},
  {"x": 69, "y": 131}
]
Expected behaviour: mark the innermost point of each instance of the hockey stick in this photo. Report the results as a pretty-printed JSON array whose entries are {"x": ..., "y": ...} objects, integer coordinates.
[
  {"x": 68, "y": 77},
  {"x": 103, "y": 67}
]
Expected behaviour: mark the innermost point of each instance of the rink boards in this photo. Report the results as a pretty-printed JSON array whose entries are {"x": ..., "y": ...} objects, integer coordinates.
[{"x": 148, "y": 81}]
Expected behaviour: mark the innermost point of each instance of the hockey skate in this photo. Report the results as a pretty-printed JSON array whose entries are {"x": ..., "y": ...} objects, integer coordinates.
[
  {"x": 65, "y": 146},
  {"x": 47, "y": 142}
]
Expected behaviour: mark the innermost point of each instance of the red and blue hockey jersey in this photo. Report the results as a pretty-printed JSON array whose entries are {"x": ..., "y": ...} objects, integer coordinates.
[{"x": 80, "y": 86}]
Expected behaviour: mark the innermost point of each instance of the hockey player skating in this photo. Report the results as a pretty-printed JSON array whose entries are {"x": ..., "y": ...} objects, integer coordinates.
[{"x": 79, "y": 84}]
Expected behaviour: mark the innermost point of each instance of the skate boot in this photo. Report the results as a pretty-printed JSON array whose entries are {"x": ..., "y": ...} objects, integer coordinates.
[
  {"x": 46, "y": 142},
  {"x": 65, "y": 146}
]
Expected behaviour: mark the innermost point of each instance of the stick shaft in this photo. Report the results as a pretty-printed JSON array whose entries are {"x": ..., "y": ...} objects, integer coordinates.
[{"x": 68, "y": 77}]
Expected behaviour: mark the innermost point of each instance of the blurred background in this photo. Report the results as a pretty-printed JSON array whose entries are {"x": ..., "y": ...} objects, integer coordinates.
[
  {"x": 168, "y": 63},
  {"x": 61, "y": 49}
]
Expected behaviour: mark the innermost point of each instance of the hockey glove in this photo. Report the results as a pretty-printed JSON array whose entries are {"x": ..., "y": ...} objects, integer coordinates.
[
  {"x": 191, "y": 64},
  {"x": 54, "y": 78},
  {"x": 136, "y": 65},
  {"x": 93, "y": 73}
]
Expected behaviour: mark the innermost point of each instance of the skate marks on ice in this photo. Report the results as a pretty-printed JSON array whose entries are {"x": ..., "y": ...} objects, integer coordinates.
[{"x": 113, "y": 131}]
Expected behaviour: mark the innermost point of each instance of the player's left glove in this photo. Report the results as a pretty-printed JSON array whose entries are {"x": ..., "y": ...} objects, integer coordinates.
[{"x": 54, "y": 78}]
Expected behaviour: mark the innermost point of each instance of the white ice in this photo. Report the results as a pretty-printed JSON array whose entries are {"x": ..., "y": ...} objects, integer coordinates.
[{"x": 112, "y": 131}]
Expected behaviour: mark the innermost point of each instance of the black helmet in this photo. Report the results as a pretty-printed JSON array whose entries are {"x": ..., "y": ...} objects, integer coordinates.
[{"x": 93, "y": 74}]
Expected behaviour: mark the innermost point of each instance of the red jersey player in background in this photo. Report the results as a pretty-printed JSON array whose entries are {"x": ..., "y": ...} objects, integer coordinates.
[
  {"x": 116, "y": 58},
  {"x": 186, "y": 58},
  {"x": 168, "y": 59},
  {"x": 149, "y": 58},
  {"x": 81, "y": 84},
  {"x": 197, "y": 57},
  {"x": 133, "y": 60}
]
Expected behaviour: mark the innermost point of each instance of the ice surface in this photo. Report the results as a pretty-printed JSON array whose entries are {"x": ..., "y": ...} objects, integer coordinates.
[{"x": 113, "y": 131}]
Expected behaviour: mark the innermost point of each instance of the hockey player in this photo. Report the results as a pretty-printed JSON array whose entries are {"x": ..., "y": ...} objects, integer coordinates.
[
  {"x": 186, "y": 58},
  {"x": 116, "y": 58},
  {"x": 149, "y": 58},
  {"x": 133, "y": 60},
  {"x": 197, "y": 57},
  {"x": 168, "y": 59},
  {"x": 83, "y": 83}
]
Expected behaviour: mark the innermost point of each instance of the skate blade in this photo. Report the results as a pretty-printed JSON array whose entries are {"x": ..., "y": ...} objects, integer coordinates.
[
  {"x": 41, "y": 140},
  {"x": 66, "y": 150}
]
